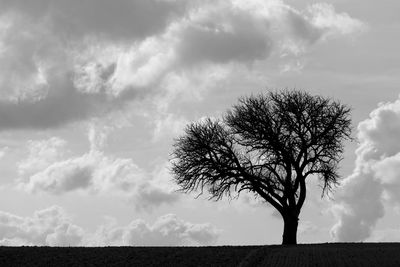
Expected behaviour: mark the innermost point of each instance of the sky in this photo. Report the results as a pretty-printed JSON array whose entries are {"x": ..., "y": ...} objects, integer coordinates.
[{"x": 93, "y": 93}]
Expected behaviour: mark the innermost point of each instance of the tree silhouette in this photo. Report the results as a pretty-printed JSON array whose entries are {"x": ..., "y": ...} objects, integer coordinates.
[{"x": 267, "y": 145}]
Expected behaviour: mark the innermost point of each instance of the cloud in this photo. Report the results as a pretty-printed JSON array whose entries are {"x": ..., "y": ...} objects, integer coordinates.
[
  {"x": 53, "y": 227},
  {"x": 222, "y": 32},
  {"x": 167, "y": 230},
  {"x": 168, "y": 125},
  {"x": 49, "y": 226},
  {"x": 3, "y": 151},
  {"x": 121, "y": 19},
  {"x": 325, "y": 18},
  {"x": 361, "y": 200},
  {"x": 42, "y": 153},
  {"x": 70, "y": 62},
  {"x": 46, "y": 170}
]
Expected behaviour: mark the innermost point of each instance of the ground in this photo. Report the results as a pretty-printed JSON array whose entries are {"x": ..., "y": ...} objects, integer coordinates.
[{"x": 332, "y": 254}]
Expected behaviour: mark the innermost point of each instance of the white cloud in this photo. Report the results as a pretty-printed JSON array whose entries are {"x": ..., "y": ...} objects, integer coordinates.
[
  {"x": 63, "y": 176},
  {"x": 42, "y": 153},
  {"x": 167, "y": 230},
  {"x": 325, "y": 17},
  {"x": 70, "y": 62},
  {"x": 45, "y": 170},
  {"x": 361, "y": 200},
  {"x": 53, "y": 227},
  {"x": 168, "y": 126},
  {"x": 49, "y": 226}
]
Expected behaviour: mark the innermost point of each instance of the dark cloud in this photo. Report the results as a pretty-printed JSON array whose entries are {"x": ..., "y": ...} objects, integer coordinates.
[
  {"x": 224, "y": 36},
  {"x": 61, "y": 105},
  {"x": 69, "y": 61},
  {"x": 124, "y": 19}
]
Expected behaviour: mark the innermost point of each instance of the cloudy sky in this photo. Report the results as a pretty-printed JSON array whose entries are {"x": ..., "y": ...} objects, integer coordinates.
[{"x": 93, "y": 92}]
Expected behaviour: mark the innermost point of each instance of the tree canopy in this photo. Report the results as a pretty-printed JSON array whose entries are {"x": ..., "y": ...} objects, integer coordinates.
[{"x": 266, "y": 144}]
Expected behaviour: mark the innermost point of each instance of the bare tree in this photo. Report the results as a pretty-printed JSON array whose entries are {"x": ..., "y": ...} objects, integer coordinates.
[{"x": 267, "y": 145}]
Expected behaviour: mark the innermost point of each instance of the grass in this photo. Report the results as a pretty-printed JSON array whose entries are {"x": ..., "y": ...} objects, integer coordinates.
[{"x": 305, "y": 255}]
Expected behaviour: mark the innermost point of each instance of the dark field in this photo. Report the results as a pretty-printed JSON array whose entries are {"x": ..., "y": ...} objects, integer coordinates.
[{"x": 334, "y": 254}]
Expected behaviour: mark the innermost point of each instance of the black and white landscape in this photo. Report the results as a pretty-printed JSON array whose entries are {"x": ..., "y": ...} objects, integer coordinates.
[{"x": 94, "y": 95}]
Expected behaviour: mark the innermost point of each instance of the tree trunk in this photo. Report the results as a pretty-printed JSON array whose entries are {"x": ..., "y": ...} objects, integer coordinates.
[{"x": 290, "y": 230}]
